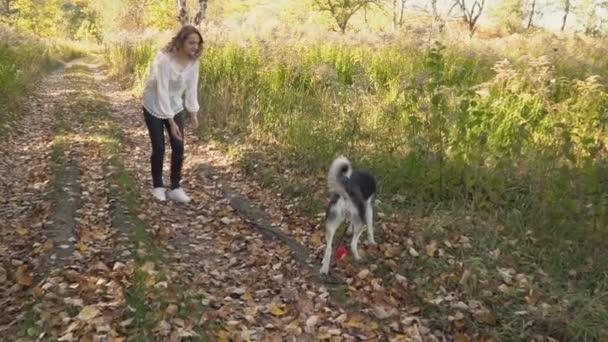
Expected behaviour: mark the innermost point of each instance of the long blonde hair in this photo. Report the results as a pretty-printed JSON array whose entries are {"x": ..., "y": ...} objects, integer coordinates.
[{"x": 180, "y": 38}]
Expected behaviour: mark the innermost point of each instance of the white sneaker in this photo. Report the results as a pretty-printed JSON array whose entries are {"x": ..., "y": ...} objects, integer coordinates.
[
  {"x": 178, "y": 195},
  {"x": 159, "y": 194}
]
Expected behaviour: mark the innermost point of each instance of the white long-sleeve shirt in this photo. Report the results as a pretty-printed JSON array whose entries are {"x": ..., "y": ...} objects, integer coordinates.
[{"x": 167, "y": 82}]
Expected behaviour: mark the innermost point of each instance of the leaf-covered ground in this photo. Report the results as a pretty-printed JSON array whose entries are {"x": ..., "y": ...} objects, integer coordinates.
[{"x": 86, "y": 254}]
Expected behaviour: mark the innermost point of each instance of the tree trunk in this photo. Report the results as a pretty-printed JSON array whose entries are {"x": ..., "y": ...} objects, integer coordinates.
[
  {"x": 401, "y": 12},
  {"x": 200, "y": 15},
  {"x": 394, "y": 15},
  {"x": 566, "y": 12},
  {"x": 6, "y": 8},
  {"x": 182, "y": 15},
  {"x": 531, "y": 14}
]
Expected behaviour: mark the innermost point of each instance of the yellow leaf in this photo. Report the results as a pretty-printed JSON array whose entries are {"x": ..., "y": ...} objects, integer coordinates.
[
  {"x": 223, "y": 335},
  {"x": 148, "y": 267},
  {"x": 488, "y": 318},
  {"x": 315, "y": 239},
  {"x": 276, "y": 310},
  {"x": 21, "y": 231},
  {"x": 23, "y": 278},
  {"x": 353, "y": 323},
  {"x": 100, "y": 235},
  {"x": 247, "y": 296},
  {"x": 150, "y": 281},
  {"x": 371, "y": 326},
  {"x": 461, "y": 338},
  {"x": 82, "y": 247},
  {"x": 88, "y": 313},
  {"x": 324, "y": 335},
  {"x": 431, "y": 248}
]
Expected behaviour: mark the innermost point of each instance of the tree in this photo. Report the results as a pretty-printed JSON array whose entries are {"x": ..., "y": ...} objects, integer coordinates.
[
  {"x": 471, "y": 13},
  {"x": 590, "y": 13},
  {"x": 6, "y": 8},
  {"x": 566, "y": 7},
  {"x": 342, "y": 10},
  {"x": 398, "y": 9},
  {"x": 531, "y": 14},
  {"x": 183, "y": 12}
]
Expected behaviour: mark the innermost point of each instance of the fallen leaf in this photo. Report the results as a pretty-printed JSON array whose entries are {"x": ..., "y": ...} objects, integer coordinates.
[
  {"x": 171, "y": 309},
  {"x": 487, "y": 317},
  {"x": 88, "y": 313},
  {"x": 47, "y": 246},
  {"x": 23, "y": 278},
  {"x": 316, "y": 237},
  {"x": 66, "y": 337},
  {"x": 276, "y": 310},
  {"x": 148, "y": 267},
  {"x": 311, "y": 322},
  {"x": 533, "y": 297},
  {"x": 363, "y": 274},
  {"x": 461, "y": 338},
  {"x": 431, "y": 248}
]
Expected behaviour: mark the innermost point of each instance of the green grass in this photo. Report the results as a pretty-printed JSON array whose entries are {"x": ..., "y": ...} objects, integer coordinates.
[
  {"x": 23, "y": 61},
  {"x": 462, "y": 135}
]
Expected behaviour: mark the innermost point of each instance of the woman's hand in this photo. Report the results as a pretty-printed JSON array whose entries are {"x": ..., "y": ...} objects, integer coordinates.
[
  {"x": 194, "y": 120},
  {"x": 174, "y": 128}
]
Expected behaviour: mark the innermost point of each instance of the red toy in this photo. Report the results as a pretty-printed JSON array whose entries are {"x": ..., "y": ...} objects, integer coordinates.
[{"x": 341, "y": 252}]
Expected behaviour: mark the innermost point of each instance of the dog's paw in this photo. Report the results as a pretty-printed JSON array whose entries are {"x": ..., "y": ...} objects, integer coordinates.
[
  {"x": 324, "y": 270},
  {"x": 371, "y": 243}
]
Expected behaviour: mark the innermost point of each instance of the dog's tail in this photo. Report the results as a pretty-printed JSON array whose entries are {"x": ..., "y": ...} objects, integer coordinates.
[{"x": 338, "y": 175}]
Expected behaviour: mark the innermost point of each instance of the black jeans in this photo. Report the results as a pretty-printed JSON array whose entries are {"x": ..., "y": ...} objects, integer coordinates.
[{"x": 156, "y": 128}]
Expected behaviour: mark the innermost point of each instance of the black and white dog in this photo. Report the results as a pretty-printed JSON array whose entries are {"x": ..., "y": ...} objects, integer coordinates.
[{"x": 353, "y": 193}]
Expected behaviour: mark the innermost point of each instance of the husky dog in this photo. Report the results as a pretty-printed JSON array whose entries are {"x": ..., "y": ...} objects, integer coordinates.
[{"x": 353, "y": 193}]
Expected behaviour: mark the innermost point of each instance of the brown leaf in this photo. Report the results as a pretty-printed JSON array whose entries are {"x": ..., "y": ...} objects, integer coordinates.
[
  {"x": 47, "y": 246},
  {"x": 461, "y": 338},
  {"x": 533, "y": 297},
  {"x": 38, "y": 292},
  {"x": 487, "y": 317},
  {"x": 23, "y": 278}
]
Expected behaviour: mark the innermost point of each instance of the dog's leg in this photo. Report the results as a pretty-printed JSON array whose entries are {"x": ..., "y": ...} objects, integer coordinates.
[
  {"x": 358, "y": 227},
  {"x": 369, "y": 217},
  {"x": 332, "y": 222}
]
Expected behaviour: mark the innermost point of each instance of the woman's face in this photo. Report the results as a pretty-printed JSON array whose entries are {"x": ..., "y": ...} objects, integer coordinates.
[{"x": 191, "y": 45}]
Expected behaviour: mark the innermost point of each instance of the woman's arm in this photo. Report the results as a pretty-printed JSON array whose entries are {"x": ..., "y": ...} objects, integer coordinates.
[
  {"x": 163, "y": 75},
  {"x": 191, "y": 98}
]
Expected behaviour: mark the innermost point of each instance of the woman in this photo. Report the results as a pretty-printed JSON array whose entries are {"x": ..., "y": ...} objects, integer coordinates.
[{"x": 174, "y": 73}]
